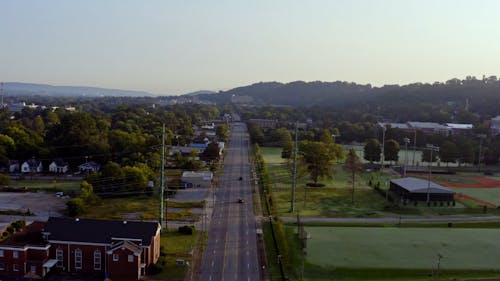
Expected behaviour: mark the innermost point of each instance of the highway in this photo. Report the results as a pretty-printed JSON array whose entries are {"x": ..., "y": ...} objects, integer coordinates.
[{"x": 231, "y": 252}]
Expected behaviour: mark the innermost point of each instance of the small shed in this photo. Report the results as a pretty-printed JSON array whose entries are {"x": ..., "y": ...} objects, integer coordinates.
[
  {"x": 415, "y": 189},
  {"x": 195, "y": 179}
]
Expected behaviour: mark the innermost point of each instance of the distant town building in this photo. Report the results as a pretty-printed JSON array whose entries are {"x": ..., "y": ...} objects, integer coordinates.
[
  {"x": 241, "y": 99},
  {"x": 430, "y": 127},
  {"x": 265, "y": 123},
  {"x": 459, "y": 129},
  {"x": 495, "y": 125}
]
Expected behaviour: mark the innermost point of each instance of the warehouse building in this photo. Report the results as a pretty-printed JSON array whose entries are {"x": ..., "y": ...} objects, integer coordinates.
[{"x": 414, "y": 190}]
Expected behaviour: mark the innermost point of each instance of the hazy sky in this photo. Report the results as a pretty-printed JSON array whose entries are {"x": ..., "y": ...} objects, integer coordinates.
[{"x": 169, "y": 47}]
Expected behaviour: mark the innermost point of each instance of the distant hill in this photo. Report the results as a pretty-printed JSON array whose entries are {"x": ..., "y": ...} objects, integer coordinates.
[
  {"x": 481, "y": 94},
  {"x": 197, "y": 93},
  {"x": 29, "y": 89}
]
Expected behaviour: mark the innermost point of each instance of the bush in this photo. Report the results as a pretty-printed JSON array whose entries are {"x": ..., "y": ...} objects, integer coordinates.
[
  {"x": 10, "y": 229},
  {"x": 187, "y": 230},
  {"x": 76, "y": 207},
  {"x": 4, "y": 180},
  {"x": 17, "y": 225}
]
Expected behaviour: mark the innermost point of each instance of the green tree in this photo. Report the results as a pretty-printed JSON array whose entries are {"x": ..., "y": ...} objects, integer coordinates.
[
  {"x": 319, "y": 157},
  {"x": 353, "y": 165},
  {"x": 221, "y": 132},
  {"x": 391, "y": 150},
  {"x": 87, "y": 193},
  {"x": 75, "y": 207},
  {"x": 372, "y": 150},
  {"x": 448, "y": 152}
]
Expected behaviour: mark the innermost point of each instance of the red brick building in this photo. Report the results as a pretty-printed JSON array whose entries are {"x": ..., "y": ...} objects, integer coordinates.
[
  {"x": 25, "y": 253},
  {"x": 119, "y": 250}
]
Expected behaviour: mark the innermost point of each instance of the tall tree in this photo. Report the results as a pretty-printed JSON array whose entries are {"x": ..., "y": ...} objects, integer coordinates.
[
  {"x": 352, "y": 165},
  {"x": 448, "y": 152},
  {"x": 221, "y": 132},
  {"x": 391, "y": 150},
  {"x": 372, "y": 150},
  {"x": 319, "y": 158}
]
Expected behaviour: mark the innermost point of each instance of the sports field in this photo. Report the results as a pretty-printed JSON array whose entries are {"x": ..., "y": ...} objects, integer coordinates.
[{"x": 337, "y": 249}]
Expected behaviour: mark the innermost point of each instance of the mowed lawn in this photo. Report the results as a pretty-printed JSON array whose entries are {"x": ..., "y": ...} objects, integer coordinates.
[{"x": 404, "y": 248}]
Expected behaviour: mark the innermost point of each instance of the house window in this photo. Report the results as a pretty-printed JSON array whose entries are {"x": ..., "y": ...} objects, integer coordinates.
[
  {"x": 15, "y": 254},
  {"x": 116, "y": 257},
  {"x": 2, "y": 266},
  {"x": 130, "y": 258},
  {"x": 33, "y": 268},
  {"x": 1, "y": 254},
  {"x": 78, "y": 259},
  {"x": 15, "y": 267},
  {"x": 59, "y": 257},
  {"x": 97, "y": 260}
]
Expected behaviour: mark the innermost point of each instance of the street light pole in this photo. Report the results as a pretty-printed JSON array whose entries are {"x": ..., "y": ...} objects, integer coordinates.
[
  {"x": 294, "y": 182},
  {"x": 383, "y": 148},
  {"x": 431, "y": 148},
  {"x": 481, "y": 137},
  {"x": 406, "y": 141}
]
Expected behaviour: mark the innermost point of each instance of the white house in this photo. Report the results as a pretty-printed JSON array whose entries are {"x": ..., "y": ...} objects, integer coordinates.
[
  {"x": 32, "y": 166},
  {"x": 58, "y": 166},
  {"x": 13, "y": 166},
  {"x": 194, "y": 179}
]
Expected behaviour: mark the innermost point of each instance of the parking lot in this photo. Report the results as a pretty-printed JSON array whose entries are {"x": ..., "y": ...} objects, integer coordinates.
[{"x": 41, "y": 204}]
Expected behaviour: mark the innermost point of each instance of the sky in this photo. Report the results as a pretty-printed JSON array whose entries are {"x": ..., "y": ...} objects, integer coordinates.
[{"x": 179, "y": 46}]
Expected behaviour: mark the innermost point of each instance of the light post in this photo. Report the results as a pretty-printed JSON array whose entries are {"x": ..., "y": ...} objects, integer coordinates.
[
  {"x": 432, "y": 148},
  {"x": 383, "y": 148},
  {"x": 481, "y": 138},
  {"x": 414, "y": 146},
  {"x": 406, "y": 141}
]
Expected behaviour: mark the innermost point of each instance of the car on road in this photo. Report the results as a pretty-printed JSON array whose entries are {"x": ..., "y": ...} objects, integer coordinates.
[
  {"x": 240, "y": 200},
  {"x": 240, "y": 179}
]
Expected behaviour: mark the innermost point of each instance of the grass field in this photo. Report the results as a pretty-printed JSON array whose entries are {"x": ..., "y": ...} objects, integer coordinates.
[
  {"x": 491, "y": 195},
  {"x": 334, "y": 199},
  {"x": 56, "y": 185},
  {"x": 400, "y": 253}
]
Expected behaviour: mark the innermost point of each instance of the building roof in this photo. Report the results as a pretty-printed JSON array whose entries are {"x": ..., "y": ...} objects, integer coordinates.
[
  {"x": 193, "y": 174},
  {"x": 29, "y": 235},
  {"x": 415, "y": 185},
  {"x": 33, "y": 162},
  {"x": 427, "y": 125},
  {"x": 59, "y": 162},
  {"x": 459, "y": 126},
  {"x": 99, "y": 231},
  {"x": 127, "y": 245}
]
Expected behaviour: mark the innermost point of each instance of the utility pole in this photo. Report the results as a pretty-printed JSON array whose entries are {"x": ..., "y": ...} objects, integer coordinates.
[
  {"x": 162, "y": 175},
  {"x": 294, "y": 182}
]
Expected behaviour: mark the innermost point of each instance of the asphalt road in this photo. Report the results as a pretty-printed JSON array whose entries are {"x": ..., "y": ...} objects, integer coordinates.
[{"x": 231, "y": 252}]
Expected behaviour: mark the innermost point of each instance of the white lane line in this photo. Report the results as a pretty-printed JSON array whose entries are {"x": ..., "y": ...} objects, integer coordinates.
[
  {"x": 248, "y": 265},
  {"x": 210, "y": 278},
  {"x": 212, "y": 264},
  {"x": 214, "y": 252}
]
